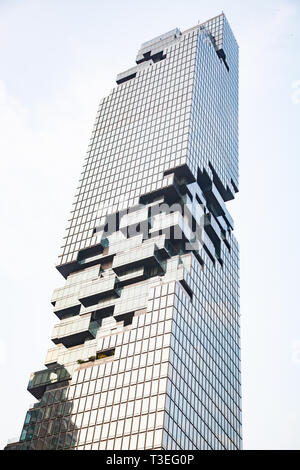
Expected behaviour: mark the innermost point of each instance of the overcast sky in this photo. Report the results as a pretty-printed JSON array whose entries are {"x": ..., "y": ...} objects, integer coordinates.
[{"x": 57, "y": 59}]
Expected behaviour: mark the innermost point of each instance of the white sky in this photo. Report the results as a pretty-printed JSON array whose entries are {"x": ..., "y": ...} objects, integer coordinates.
[{"x": 57, "y": 59}]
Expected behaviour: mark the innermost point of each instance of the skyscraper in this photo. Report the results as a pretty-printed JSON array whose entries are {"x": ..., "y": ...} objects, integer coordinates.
[{"x": 147, "y": 347}]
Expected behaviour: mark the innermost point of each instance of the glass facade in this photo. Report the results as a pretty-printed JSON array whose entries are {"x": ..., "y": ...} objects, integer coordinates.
[{"x": 147, "y": 347}]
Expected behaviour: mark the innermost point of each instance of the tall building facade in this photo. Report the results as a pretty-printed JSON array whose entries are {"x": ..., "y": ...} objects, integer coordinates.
[{"x": 147, "y": 346}]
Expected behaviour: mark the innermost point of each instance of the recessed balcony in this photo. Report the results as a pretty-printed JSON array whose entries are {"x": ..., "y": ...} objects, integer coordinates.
[
  {"x": 212, "y": 229},
  {"x": 99, "y": 289},
  {"x": 74, "y": 332},
  {"x": 143, "y": 255},
  {"x": 209, "y": 247},
  {"x": 132, "y": 276}
]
